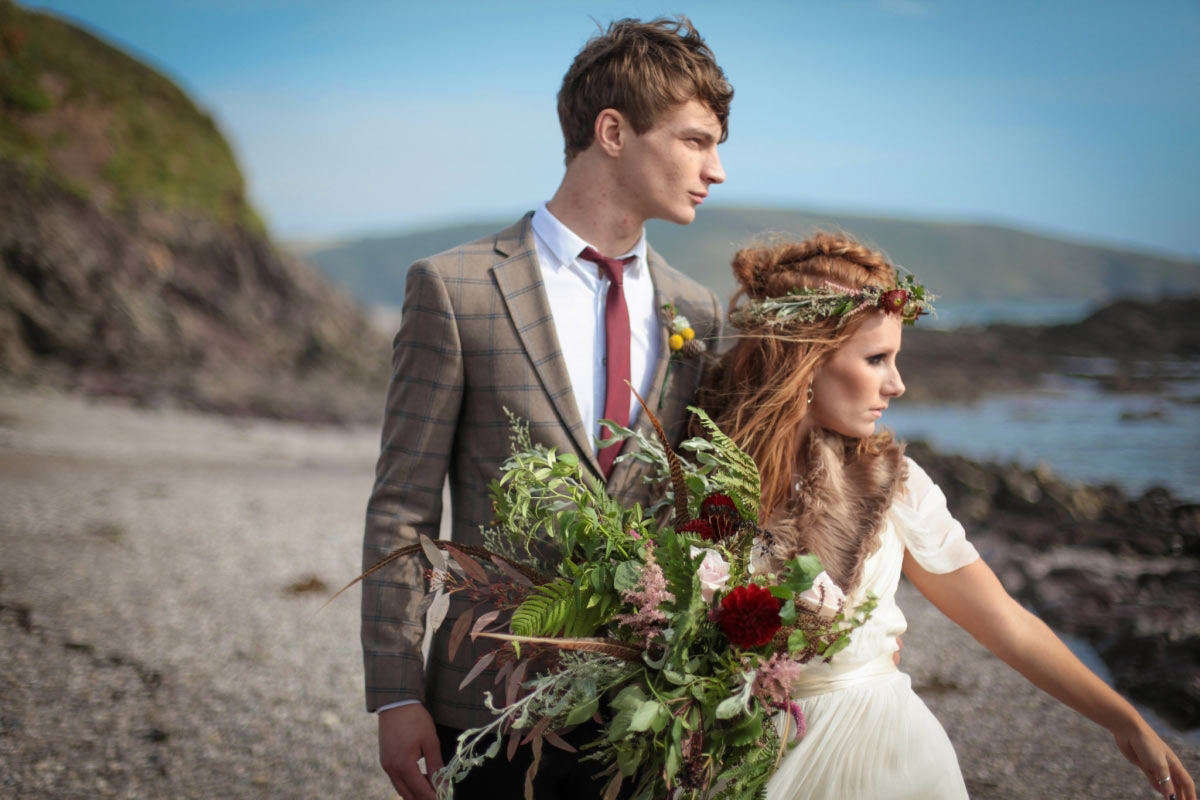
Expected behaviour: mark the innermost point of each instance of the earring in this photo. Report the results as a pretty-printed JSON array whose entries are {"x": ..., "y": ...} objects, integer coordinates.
[{"x": 810, "y": 394}]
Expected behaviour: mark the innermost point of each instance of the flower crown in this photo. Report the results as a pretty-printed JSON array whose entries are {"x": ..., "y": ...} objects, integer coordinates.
[{"x": 907, "y": 298}]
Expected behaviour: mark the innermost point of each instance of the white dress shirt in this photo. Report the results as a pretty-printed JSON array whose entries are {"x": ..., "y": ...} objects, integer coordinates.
[{"x": 577, "y": 291}]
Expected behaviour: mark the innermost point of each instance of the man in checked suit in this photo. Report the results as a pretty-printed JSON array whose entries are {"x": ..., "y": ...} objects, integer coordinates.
[{"x": 546, "y": 318}]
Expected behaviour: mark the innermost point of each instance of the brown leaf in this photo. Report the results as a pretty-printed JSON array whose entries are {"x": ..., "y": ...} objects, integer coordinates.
[
  {"x": 459, "y": 631},
  {"x": 426, "y": 602},
  {"x": 538, "y": 729},
  {"x": 559, "y": 742},
  {"x": 480, "y": 666},
  {"x": 437, "y": 611},
  {"x": 533, "y": 768},
  {"x": 514, "y": 741},
  {"x": 514, "y": 682},
  {"x": 503, "y": 673},
  {"x": 470, "y": 565},
  {"x": 483, "y": 621},
  {"x": 512, "y": 572},
  {"x": 614, "y": 787},
  {"x": 436, "y": 559}
]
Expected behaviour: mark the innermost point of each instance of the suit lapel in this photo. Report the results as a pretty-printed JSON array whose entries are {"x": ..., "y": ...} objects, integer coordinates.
[{"x": 519, "y": 278}]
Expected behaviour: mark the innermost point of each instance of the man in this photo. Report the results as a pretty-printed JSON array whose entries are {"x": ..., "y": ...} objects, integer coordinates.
[{"x": 547, "y": 318}]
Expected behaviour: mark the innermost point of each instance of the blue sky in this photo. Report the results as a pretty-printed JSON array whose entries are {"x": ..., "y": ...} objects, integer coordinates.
[{"x": 1075, "y": 118}]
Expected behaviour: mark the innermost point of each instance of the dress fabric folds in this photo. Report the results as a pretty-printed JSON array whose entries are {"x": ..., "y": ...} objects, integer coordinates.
[{"x": 869, "y": 737}]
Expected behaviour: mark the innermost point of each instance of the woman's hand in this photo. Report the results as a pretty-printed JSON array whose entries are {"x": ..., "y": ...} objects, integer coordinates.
[{"x": 1149, "y": 753}]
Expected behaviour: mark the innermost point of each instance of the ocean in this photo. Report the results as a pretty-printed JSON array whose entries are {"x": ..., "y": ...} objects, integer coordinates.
[{"x": 1135, "y": 441}]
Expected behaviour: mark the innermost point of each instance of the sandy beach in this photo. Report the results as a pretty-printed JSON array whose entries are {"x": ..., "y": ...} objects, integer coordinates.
[{"x": 160, "y": 574}]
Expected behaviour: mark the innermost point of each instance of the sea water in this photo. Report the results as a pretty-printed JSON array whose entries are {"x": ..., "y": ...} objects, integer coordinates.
[{"x": 1134, "y": 441}]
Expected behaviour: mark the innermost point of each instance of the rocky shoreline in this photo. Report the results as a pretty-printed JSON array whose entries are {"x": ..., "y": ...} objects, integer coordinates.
[
  {"x": 1122, "y": 573},
  {"x": 1128, "y": 346}
]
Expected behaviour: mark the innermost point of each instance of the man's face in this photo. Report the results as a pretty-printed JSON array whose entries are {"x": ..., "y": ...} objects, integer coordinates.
[{"x": 666, "y": 171}]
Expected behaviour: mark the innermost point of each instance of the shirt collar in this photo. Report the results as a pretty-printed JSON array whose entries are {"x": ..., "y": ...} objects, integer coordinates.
[{"x": 566, "y": 245}]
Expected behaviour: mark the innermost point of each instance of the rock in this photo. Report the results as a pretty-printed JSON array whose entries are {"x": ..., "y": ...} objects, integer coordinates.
[
  {"x": 1126, "y": 346},
  {"x": 160, "y": 306}
]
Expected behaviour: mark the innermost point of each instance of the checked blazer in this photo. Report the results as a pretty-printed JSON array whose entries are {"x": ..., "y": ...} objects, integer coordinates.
[{"x": 477, "y": 336}]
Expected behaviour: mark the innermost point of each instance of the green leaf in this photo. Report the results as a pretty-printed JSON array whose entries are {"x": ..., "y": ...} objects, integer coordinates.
[
  {"x": 674, "y": 758},
  {"x": 645, "y": 714},
  {"x": 629, "y": 760},
  {"x": 838, "y": 646},
  {"x": 747, "y": 730},
  {"x": 797, "y": 641},
  {"x": 584, "y": 712},
  {"x": 787, "y": 612},
  {"x": 729, "y": 707},
  {"x": 627, "y": 575},
  {"x": 629, "y": 698}
]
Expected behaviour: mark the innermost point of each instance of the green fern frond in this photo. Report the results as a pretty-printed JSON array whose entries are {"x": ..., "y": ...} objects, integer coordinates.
[
  {"x": 562, "y": 607},
  {"x": 737, "y": 474}
]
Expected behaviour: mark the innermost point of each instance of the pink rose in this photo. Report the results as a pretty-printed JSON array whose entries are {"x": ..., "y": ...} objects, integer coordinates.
[
  {"x": 823, "y": 598},
  {"x": 713, "y": 572}
]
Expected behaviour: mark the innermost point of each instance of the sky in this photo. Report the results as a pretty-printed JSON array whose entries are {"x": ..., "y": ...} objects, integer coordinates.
[{"x": 1077, "y": 119}]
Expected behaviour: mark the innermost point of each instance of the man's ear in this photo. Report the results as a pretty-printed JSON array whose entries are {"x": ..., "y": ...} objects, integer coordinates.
[{"x": 611, "y": 130}]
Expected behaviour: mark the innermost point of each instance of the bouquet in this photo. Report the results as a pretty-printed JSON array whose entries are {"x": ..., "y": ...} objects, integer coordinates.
[{"x": 669, "y": 626}]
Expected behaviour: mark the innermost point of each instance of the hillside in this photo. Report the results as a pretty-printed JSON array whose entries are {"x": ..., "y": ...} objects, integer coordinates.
[
  {"x": 130, "y": 261},
  {"x": 960, "y": 261}
]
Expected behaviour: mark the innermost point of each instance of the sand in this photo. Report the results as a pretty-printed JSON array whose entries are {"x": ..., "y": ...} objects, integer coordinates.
[{"x": 160, "y": 574}]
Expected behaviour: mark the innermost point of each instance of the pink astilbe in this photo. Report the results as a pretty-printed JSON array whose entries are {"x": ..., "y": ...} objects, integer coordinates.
[
  {"x": 775, "y": 678},
  {"x": 646, "y": 596}
]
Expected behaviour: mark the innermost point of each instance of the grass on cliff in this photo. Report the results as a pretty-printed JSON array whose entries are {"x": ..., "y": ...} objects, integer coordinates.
[{"x": 131, "y": 134}]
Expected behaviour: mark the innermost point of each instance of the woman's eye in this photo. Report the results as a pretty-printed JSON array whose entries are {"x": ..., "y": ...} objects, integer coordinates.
[{"x": 876, "y": 360}]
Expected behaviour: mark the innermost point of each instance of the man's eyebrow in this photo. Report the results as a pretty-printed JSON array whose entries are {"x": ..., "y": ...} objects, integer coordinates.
[{"x": 697, "y": 132}]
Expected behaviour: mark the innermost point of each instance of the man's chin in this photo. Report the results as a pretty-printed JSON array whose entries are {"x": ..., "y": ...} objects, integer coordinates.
[{"x": 682, "y": 217}]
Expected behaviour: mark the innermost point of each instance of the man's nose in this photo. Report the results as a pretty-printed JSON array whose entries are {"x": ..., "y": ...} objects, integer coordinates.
[{"x": 713, "y": 171}]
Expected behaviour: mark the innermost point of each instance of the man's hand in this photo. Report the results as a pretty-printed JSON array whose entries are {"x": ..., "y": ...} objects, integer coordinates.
[{"x": 406, "y": 733}]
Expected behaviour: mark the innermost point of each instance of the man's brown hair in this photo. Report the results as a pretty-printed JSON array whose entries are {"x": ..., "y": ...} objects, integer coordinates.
[{"x": 640, "y": 69}]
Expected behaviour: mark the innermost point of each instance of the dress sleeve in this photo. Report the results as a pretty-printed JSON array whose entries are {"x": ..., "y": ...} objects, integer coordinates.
[{"x": 936, "y": 539}]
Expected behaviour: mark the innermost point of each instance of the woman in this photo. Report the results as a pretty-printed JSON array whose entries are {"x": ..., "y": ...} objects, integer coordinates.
[{"x": 801, "y": 391}]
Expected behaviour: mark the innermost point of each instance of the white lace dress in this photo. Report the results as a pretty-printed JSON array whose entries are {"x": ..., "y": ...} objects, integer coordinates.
[{"x": 869, "y": 736}]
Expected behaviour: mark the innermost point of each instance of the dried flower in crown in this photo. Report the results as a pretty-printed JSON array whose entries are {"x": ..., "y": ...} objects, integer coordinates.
[{"x": 908, "y": 298}]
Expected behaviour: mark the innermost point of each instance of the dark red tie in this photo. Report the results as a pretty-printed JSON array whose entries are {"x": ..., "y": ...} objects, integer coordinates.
[{"x": 616, "y": 349}]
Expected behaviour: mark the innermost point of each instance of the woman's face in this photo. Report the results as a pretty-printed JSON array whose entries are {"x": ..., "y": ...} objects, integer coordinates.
[{"x": 852, "y": 389}]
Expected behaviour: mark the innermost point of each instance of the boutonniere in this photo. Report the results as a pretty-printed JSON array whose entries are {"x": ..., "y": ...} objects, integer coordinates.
[{"x": 682, "y": 341}]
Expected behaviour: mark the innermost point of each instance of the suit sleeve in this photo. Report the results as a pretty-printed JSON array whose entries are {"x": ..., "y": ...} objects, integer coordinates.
[{"x": 420, "y": 419}]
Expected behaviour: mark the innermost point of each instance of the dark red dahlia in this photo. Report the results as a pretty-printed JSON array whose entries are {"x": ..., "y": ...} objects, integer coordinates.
[
  {"x": 720, "y": 513},
  {"x": 749, "y": 616},
  {"x": 894, "y": 300},
  {"x": 699, "y": 527},
  {"x": 717, "y": 503}
]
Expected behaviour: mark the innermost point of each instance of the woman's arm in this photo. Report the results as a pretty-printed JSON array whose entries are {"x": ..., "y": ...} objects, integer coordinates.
[{"x": 974, "y": 598}]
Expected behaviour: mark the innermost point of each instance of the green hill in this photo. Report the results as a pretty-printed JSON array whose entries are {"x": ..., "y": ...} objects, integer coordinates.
[
  {"x": 961, "y": 261},
  {"x": 107, "y": 127}
]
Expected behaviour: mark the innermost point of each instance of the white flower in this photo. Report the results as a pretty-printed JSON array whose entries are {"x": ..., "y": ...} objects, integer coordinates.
[
  {"x": 679, "y": 323},
  {"x": 760, "y": 558},
  {"x": 823, "y": 598},
  {"x": 713, "y": 572}
]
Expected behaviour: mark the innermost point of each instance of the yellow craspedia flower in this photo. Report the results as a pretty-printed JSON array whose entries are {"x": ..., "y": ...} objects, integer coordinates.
[
  {"x": 688, "y": 334},
  {"x": 676, "y": 341}
]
